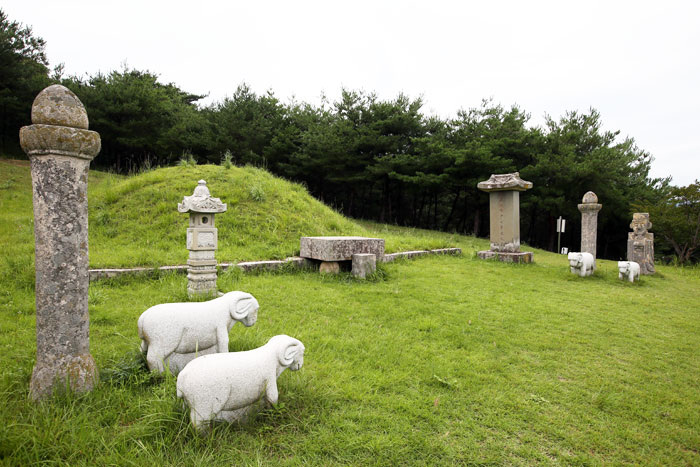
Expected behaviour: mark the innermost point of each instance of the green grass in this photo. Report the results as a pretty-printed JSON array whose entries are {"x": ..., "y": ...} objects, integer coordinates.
[{"x": 437, "y": 360}]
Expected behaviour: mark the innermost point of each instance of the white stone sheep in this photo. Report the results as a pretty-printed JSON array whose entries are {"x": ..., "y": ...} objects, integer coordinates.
[
  {"x": 629, "y": 270},
  {"x": 582, "y": 264},
  {"x": 228, "y": 386},
  {"x": 174, "y": 334}
]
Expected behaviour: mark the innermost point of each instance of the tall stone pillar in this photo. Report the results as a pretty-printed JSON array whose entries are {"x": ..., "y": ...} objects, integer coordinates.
[
  {"x": 202, "y": 239},
  {"x": 589, "y": 222},
  {"x": 504, "y": 200},
  {"x": 640, "y": 243},
  {"x": 60, "y": 149}
]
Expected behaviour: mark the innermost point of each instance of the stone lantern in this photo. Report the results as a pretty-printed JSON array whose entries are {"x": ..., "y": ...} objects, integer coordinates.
[
  {"x": 504, "y": 201},
  {"x": 202, "y": 239}
]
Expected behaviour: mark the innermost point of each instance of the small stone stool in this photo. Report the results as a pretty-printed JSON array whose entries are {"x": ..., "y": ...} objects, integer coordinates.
[{"x": 363, "y": 264}]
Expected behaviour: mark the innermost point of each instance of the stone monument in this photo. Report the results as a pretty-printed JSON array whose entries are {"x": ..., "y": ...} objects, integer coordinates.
[
  {"x": 228, "y": 386},
  {"x": 589, "y": 222},
  {"x": 504, "y": 200},
  {"x": 640, "y": 243},
  {"x": 60, "y": 148},
  {"x": 202, "y": 239}
]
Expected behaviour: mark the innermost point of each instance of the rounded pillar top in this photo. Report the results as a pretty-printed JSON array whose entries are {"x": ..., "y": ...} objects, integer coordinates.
[
  {"x": 57, "y": 105},
  {"x": 590, "y": 198}
]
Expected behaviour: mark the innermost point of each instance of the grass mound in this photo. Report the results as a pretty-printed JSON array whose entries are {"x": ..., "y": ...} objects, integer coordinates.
[{"x": 134, "y": 220}]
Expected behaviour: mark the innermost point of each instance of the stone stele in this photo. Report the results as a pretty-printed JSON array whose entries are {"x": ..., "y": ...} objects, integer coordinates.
[
  {"x": 60, "y": 148},
  {"x": 174, "y": 334},
  {"x": 504, "y": 201},
  {"x": 202, "y": 239},
  {"x": 589, "y": 222},
  {"x": 228, "y": 386},
  {"x": 332, "y": 251},
  {"x": 640, "y": 243}
]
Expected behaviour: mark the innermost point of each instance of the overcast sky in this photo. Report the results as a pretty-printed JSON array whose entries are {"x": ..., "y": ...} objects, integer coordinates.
[{"x": 637, "y": 62}]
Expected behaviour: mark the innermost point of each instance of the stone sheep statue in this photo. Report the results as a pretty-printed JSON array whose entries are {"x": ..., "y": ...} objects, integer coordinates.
[
  {"x": 227, "y": 386},
  {"x": 629, "y": 270},
  {"x": 582, "y": 264},
  {"x": 174, "y": 334}
]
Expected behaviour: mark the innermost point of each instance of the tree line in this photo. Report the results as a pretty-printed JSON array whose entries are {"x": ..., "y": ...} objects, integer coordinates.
[{"x": 371, "y": 158}]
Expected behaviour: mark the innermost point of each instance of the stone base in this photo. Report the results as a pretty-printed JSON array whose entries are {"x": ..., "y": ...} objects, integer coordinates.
[
  {"x": 507, "y": 257},
  {"x": 363, "y": 264},
  {"x": 329, "y": 267},
  {"x": 56, "y": 374}
]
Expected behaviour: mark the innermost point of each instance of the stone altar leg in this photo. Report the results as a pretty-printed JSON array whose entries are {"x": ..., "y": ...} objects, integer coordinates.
[
  {"x": 60, "y": 149},
  {"x": 363, "y": 264}
]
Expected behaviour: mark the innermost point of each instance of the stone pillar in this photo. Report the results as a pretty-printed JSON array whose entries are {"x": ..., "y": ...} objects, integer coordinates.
[
  {"x": 589, "y": 222},
  {"x": 202, "y": 239},
  {"x": 640, "y": 243},
  {"x": 504, "y": 199},
  {"x": 60, "y": 149}
]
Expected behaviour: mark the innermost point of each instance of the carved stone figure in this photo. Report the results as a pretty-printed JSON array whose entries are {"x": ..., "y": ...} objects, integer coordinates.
[
  {"x": 640, "y": 243},
  {"x": 504, "y": 201},
  {"x": 174, "y": 334},
  {"x": 629, "y": 271},
  {"x": 60, "y": 148},
  {"x": 202, "y": 239},
  {"x": 228, "y": 386},
  {"x": 582, "y": 263}
]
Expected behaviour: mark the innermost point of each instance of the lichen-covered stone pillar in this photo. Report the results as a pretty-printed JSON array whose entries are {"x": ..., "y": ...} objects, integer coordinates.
[
  {"x": 60, "y": 149},
  {"x": 504, "y": 199},
  {"x": 589, "y": 222},
  {"x": 640, "y": 243},
  {"x": 202, "y": 239}
]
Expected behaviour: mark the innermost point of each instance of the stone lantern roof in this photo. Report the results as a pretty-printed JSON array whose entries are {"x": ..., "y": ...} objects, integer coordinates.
[
  {"x": 201, "y": 201},
  {"x": 504, "y": 182}
]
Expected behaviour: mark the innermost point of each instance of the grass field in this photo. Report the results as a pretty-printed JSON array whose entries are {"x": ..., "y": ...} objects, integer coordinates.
[{"x": 438, "y": 360}]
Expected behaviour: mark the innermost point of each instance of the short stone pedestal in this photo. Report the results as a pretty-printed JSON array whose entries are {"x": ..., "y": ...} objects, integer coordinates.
[
  {"x": 335, "y": 252},
  {"x": 202, "y": 239},
  {"x": 60, "y": 148},
  {"x": 504, "y": 200},
  {"x": 640, "y": 243},
  {"x": 363, "y": 264},
  {"x": 589, "y": 223}
]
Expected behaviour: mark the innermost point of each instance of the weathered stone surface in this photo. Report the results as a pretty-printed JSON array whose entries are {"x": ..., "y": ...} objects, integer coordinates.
[
  {"x": 173, "y": 334},
  {"x": 628, "y": 271},
  {"x": 57, "y": 105},
  {"x": 60, "y": 159},
  {"x": 504, "y": 182},
  {"x": 504, "y": 216},
  {"x": 363, "y": 264},
  {"x": 507, "y": 257},
  {"x": 582, "y": 264},
  {"x": 329, "y": 267},
  {"x": 202, "y": 239},
  {"x": 339, "y": 248},
  {"x": 589, "y": 223},
  {"x": 228, "y": 386},
  {"x": 640, "y": 243}
]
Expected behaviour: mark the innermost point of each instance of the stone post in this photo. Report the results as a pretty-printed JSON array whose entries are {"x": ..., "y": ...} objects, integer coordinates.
[
  {"x": 60, "y": 149},
  {"x": 589, "y": 222},
  {"x": 640, "y": 243},
  {"x": 202, "y": 239},
  {"x": 504, "y": 200}
]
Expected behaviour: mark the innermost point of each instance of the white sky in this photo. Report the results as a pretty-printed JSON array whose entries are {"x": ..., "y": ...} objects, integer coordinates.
[{"x": 637, "y": 62}]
